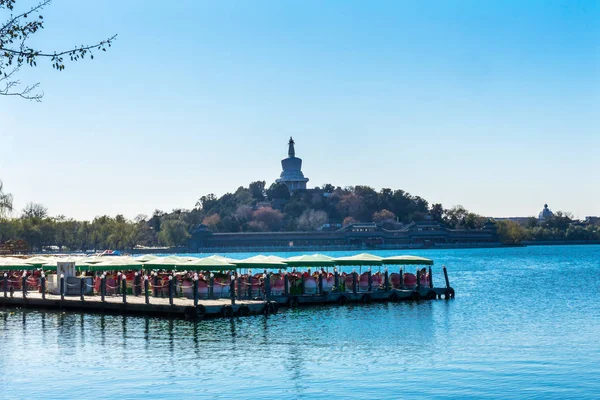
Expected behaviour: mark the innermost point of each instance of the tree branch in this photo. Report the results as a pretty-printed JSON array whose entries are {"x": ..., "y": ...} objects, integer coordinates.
[{"x": 32, "y": 10}]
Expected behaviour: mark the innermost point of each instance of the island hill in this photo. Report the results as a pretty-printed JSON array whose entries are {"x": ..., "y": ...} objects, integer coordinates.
[{"x": 289, "y": 216}]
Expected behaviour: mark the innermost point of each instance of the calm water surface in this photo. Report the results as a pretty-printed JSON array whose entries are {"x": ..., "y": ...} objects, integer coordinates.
[{"x": 525, "y": 324}]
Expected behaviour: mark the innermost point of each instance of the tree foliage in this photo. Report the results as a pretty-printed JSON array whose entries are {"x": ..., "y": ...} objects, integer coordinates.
[
  {"x": 244, "y": 211},
  {"x": 6, "y": 201},
  {"x": 15, "y": 32}
]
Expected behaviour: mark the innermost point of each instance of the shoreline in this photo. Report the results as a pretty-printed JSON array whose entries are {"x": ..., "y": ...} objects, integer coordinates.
[{"x": 284, "y": 249}]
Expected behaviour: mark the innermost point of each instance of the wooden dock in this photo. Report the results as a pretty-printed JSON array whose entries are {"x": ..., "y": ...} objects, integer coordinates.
[{"x": 210, "y": 308}]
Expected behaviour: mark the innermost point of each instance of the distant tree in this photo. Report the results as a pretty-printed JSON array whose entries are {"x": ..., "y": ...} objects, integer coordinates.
[
  {"x": 278, "y": 191},
  {"x": 328, "y": 188},
  {"x": 532, "y": 222},
  {"x": 510, "y": 231},
  {"x": 212, "y": 221},
  {"x": 6, "y": 201},
  {"x": 310, "y": 220},
  {"x": 437, "y": 212},
  {"x": 206, "y": 202},
  {"x": 15, "y": 33},
  {"x": 257, "y": 190},
  {"x": 244, "y": 213},
  {"x": 34, "y": 211},
  {"x": 243, "y": 196},
  {"x": 257, "y": 226},
  {"x": 455, "y": 216},
  {"x": 473, "y": 221},
  {"x": 351, "y": 205},
  {"x": 173, "y": 233},
  {"x": 383, "y": 215},
  {"x": 156, "y": 220},
  {"x": 271, "y": 219},
  {"x": 348, "y": 221},
  {"x": 560, "y": 220}
]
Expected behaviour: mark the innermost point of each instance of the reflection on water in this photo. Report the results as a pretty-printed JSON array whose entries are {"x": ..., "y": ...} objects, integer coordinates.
[{"x": 503, "y": 336}]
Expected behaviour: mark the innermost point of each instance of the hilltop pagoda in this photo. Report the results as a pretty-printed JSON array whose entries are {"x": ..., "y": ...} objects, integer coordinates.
[{"x": 292, "y": 175}]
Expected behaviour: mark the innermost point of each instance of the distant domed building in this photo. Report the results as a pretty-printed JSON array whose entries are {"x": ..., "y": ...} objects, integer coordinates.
[
  {"x": 546, "y": 213},
  {"x": 292, "y": 175}
]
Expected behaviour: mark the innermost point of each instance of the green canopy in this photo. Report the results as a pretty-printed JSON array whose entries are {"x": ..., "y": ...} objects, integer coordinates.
[
  {"x": 314, "y": 260},
  {"x": 38, "y": 260},
  {"x": 166, "y": 262},
  {"x": 11, "y": 263},
  {"x": 112, "y": 264},
  {"x": 260, "y": 261},
  {"x": 359, "y": 259},
  {"x": 407, "y": 260},
  {"x": 206, "y": 264},
  {"x": 221, "y": 258},
  {"x": 145, "y": 258}
]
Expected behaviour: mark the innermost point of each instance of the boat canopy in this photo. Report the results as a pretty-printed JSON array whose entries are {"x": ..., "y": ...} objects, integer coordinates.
[
  {"x": 407, "y": 260},
  {"x": 314, "y": 260},
  {"x": 261, "y": 261},
  {"x": 359, "y": 259},
  {"x": 166, "y": 262},
  {"x": 210, "y": 263},
  {"x": 206, "y": 264}
]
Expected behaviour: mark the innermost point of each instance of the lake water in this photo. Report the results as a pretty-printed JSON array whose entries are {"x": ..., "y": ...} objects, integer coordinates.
[{"x": 525, "y": 324}]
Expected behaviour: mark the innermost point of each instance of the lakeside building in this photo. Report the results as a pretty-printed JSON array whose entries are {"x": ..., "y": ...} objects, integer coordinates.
[{"x": 422, "y": 234}]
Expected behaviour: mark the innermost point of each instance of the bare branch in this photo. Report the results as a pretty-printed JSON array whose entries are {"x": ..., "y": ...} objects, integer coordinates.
[{"x": 30, "y": 52}]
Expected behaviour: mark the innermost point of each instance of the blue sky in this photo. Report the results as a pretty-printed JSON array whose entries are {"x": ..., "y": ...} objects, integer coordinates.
[{"x": 492, "y": 105}]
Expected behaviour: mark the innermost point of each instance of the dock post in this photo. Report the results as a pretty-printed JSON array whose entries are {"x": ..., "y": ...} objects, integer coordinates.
[
  {"x": 24, "y": 284},
  {"x": 155, "y": 283},
  {"x": 446, "y": 277},
  {"x": 43, "y": 283},
  {"x": 370, "y": 280},
  {"x": 232, "y": 288},
  {"x": 386, "y": 280},
  {"x": 320, "y": 282},
  {"x": 239, "y": 285},
  {"x": 81, "y": 288},
  {"x": 286, "y": 284},
  {"x": 195, "y": 289},
  {"x": 146, "y": 289},
  {"x": 118, "y": 283},
  {"x": 211, "y": 286},
  {"x": 124, "y": 283},
  {"x": 354, "y": 281},
  {"x": 250, "y": 283},
  {"x": 171, "y": 289},
  {"x": 418, "y": 280},
  {"x": 137, "y": 286},
  {"x": 336, "y": 280},
  {"x": 430, "y": 278},
  {"x": 62, "y": 286},
  {"x": 5, "y": 284},
  {"x": 102, "y": 287},
  {"x": 267, "y": 285},
  {"x": 401, "y": 278}
]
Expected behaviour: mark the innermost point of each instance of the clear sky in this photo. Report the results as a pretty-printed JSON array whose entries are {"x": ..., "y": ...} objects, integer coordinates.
[{"x": 490, "y": 104}]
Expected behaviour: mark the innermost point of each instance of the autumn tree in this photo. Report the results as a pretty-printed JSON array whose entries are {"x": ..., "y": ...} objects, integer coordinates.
[
  {"x": 270, "y": 218},
  {"x": 383, "y": 215},
  {"x": 18, "y": 27},
  {"x": 310, "y": 220},
  {"x": 212, "y": 221}
]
